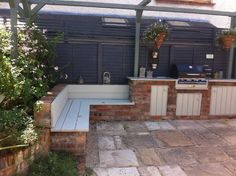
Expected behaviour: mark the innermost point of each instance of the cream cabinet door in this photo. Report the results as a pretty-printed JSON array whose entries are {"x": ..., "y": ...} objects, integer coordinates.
[
  {"x": 188, "y": 104},
  {"x": 223, "y": 100},
  {"x": 158, "y": 104}
]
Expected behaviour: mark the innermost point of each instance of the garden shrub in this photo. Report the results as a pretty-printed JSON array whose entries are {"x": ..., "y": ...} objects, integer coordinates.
[
  {"x": 16, "y": 128},
  {"x": 28, "y": 77},
  {"x": 54, "y": 164},
  {"x": 23, "y": 80}
]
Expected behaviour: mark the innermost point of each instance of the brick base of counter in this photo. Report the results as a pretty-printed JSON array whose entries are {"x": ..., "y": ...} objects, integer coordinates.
[
  {"x": 17, "y": 161},
  {"x": 140, "y": 94},
  {"x": 72, "y": 142}
]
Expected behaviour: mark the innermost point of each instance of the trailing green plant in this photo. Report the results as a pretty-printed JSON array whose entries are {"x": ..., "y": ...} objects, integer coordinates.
[
  {"x": 54, "y": 164},
  {"x": 154, "y": 30},
  {"x": 227, "y": 32},
  {"x": 227, "y": 38}
]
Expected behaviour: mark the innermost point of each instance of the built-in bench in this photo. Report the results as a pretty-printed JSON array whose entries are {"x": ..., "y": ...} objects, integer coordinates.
[{"x": 70, "y": 109}]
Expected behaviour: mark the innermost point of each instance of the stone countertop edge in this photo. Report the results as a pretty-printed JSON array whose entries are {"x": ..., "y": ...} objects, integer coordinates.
[
  {"x": 172, "y": 79},
  {"x": 150, "y": 79}
]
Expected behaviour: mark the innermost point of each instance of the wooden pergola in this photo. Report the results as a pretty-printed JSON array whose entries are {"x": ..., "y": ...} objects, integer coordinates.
[{"x": 25, "y": 10}]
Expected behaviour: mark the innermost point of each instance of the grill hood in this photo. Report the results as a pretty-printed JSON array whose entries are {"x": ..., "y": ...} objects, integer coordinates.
[{"x": 187, "y": 71}]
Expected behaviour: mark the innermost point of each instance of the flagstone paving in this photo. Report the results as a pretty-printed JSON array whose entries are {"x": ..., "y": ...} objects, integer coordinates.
[{"x": 164, "y": 148}]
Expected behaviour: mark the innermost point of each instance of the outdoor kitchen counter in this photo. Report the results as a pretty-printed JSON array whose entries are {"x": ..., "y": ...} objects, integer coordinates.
[
  {"x": 152, "y": 79},
  {"x": 158, "y": 98},
  {"x": 222, "y": 80},
  {"x": 172, "y": 79}
]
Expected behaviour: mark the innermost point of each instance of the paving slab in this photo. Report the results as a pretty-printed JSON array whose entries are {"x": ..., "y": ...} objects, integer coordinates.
[
  {"x": 213, "y": 123},
  {"x": 92, "y": 158},
  {"x": 230, "y": 139},
  {"x": 166, "y": 148},
  {"x": 230, "y": 151},
  {"x": 177, "y": 156},
  {"x": 212, "y": 138},
  {"x": 231, "y": 166},
  {"x": 118, "y": 158},
  {"x": 231, "y": 122},
  {"x": 211, "y": 169},
  {"x": 195, "y": 137},
  {"x": 135, "y": 127},
  {"x": 186, "y": 124},
  {"x": 129, "y": 171},
  {"x": 164, "y": 125},
  {"x": 106, "y": 143},
  {"x": 174, "y": 170},
  {"x": 110, "y": 128},
  {"x": 208, "y": 154},
  {"x": 149, "y": 157},
  {"x": 229, "y": 131},
  {"x": 139, "y": 141},
  {"x": 173, "y": 138},
  {"x": 149, "y": 171}
]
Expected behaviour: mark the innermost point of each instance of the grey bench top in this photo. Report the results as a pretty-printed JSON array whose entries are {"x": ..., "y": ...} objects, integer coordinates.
[{"x": 75, "y": 114}]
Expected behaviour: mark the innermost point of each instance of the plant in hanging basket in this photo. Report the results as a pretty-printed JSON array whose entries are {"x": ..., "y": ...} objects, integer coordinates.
[
  {"x": 227, "y": 38},
  {"x": 157, "y": 32}
]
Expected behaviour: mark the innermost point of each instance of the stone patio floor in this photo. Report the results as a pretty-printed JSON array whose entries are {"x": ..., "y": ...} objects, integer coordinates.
[{"x": 165, "y": 148}]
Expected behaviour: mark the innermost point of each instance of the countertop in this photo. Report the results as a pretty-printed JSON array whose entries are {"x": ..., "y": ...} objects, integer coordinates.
[{"x": 172, "y": 79}]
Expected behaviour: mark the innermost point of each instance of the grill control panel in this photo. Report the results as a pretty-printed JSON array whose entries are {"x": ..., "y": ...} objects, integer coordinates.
[{"x": 191, "y": 84}]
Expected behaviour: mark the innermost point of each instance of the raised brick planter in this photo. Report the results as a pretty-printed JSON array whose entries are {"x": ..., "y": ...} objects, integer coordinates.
[{"x": 17, "y": 161}]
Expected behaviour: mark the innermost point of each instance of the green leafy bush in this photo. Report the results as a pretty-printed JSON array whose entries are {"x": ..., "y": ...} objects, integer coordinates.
[
  {"x": 28, "y": 77},
  {"x": 54, "y": 164},
  {"x": 23, "y": 80},
  {"x": 16, "y": 128}
]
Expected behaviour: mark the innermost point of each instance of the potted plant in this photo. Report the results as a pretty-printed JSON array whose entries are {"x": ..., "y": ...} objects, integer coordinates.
[
  {"x": 157, "y": 32},
  {"x": 227, "y": 38}
]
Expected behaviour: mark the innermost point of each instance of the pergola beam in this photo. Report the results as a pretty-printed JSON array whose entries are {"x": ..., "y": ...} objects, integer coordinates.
[
  {"x": 144, "y": 3},
  {"x": 26, "y": 7},
  {"x": 128, "y": 7},
  {"x": 131, "y": 7},
  {"x": 13, "y": 14},
  {"x": 37, "y": 8},
  {"x": 231, "y": 53},
  {"x": 21, "y": 11},
  {"x": 137, "y": 35},
  {"x": 12, "y": 3}
]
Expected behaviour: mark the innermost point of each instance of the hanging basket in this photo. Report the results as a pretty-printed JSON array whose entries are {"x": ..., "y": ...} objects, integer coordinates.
[
  {"x": 160, "y": 39},
  {"x": 227, "y": 41}
]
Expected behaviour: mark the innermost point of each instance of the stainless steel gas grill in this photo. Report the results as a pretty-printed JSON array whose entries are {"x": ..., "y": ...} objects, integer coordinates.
[{"x": 189, "y": 77}]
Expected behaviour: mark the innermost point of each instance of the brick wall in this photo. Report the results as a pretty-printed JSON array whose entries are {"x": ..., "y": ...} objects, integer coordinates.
[
  {"x": 73, "y": 142},
  {"x": 17, "y": 161},
  {"x": 43, "y": 117},
  {"x": 140, "y": 93}
]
